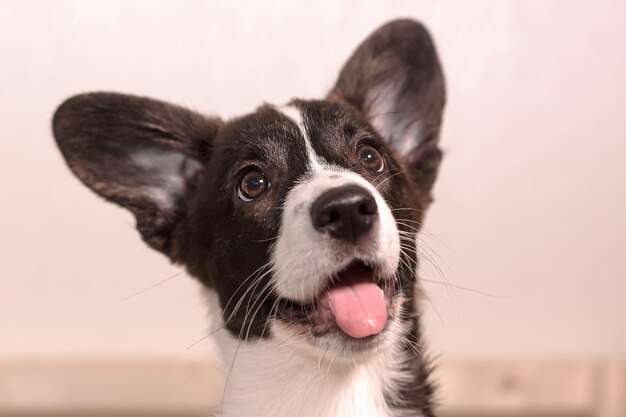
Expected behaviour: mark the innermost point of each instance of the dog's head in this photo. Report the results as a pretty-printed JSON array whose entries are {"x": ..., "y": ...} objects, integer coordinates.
[{"x": 302, "y": 217}]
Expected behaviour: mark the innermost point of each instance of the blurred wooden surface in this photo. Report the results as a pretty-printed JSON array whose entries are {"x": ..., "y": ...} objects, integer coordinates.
[
  {"x": 108, "y": 387},
  {"x": 170, "y": 387}
]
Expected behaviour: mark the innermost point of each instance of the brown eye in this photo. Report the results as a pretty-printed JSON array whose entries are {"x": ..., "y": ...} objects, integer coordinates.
[
  {"x": 252, "y": 185},
  {"x": 371, "y": 158}
]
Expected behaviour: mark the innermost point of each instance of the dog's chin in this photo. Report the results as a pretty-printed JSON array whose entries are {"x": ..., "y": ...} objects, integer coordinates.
[{"x": 324, "y": 328}]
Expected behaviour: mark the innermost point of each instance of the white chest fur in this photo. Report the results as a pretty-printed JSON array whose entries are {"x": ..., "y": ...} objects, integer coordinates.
[{"x": 271, "y": 379}]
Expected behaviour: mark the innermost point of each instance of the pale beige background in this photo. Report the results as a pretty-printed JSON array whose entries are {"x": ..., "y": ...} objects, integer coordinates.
[{"x": 530, "y": 202}]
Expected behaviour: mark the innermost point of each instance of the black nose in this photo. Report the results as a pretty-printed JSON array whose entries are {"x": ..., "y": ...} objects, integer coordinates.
[{"x": 345, "y": 212}]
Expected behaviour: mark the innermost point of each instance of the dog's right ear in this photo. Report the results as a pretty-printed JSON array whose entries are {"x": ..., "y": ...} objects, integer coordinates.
[
  {"x": 143, "y": 154},
  {"x": 394, "y": 78}
]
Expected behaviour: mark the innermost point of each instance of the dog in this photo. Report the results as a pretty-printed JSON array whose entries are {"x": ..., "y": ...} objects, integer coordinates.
[{"x": 301, "y": 219}]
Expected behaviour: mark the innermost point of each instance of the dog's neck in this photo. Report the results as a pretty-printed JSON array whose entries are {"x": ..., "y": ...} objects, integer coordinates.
[
  {"x": 274, "y": 378},
  {"x": 269, "y": 379}
]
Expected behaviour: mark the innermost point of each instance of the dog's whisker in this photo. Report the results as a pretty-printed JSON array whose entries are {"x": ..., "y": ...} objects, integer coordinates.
[
  {"x": 432, "y": 305},
  {"x": 252, "y": 294},
  {"x": 261, "y": 303},
  {"x": 445, "y": 280},
  {"x": 287, "y": 339},
  {"x": 407, "y": 209},
  {"x": 403, "y": 222},
  {"x": 264, "y": 240},
  {"x": 272, "y": 315},
  {"x": 230, "y": 370},
  {"x": 425, "y": 255},
  {"x": 424, "y": 245},
  {"x": 257, "y": 271},
  {"x": 248, "y": 309},
  {"x": 387, "y": 179},
  {"x": 413, "y": 347},
  {"x": 252, "y": 286},
  {"x": 405, "y": 262},
  {"x": 411, "y": 230},
  {"x": 463, "y": 288},
  {"x": 382, "y": 174},
  {"x": 408, "y": 220},
  {"x": 319, "y": 362},
  {"x": 163, "y": 281},
  {"x": 203, "y": 338},
  {"x": 423, "y": 232}
]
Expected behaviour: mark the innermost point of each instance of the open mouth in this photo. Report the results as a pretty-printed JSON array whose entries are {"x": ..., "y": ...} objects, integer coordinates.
[{"x": 355, "y": 302}]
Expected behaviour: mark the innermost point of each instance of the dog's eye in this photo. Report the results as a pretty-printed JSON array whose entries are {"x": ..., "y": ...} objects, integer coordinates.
[
  {"x": 252, "y": 185},
  {"x": 371, "y": 158}
]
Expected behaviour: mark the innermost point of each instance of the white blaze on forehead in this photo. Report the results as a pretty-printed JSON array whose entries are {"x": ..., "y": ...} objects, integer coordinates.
[
  {"x": 295, "y": 115},
  {"x": 304, "y": 258}
]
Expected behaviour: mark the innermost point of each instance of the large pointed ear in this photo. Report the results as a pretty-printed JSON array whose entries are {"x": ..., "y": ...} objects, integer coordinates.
[
  {"x": 143, "y": 154},
  {"x": 395, "y": 80}
]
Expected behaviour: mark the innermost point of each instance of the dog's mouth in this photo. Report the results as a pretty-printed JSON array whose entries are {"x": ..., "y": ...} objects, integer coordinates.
[{"x": 356, "y": 302}]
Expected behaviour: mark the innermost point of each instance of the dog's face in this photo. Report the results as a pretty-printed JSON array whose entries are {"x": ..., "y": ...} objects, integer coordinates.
[
  {"x": 303, "y": 223},
  {"x": 302, "y": 217}
]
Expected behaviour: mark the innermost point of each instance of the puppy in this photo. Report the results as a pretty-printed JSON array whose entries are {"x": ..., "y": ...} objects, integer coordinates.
[{"x": 301, "y": 219}]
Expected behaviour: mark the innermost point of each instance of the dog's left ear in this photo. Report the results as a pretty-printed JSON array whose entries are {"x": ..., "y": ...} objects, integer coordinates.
[
  {"x": 143, "y": 154},
  {"x": 395, "y": 80}
]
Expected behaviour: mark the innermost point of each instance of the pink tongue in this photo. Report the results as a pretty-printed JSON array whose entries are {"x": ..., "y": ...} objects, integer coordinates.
[{"x": 357, "y": 303}]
